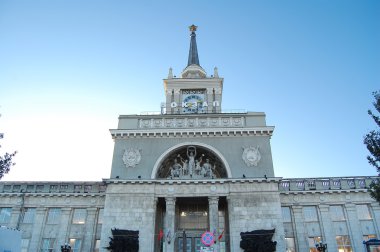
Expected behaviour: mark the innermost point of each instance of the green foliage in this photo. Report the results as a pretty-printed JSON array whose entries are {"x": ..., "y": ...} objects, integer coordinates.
[
  {"x": 6, "y": 163},
  {"x": 372, "y": 141}
]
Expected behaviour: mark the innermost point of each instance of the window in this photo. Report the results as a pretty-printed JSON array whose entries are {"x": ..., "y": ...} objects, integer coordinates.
[
  {"x": 47, "y": 245},
  {"x": 5, "y": 214},
  {"x": 312, "y": 242},
  {"x": 363, "y": 212},
  {"x": 343, "y": 242},
  {"x": 286, "y": 215},
  {"x": 24, "y": 245},
  {"x": 97, "y": 245},
  {"x": 290, "y": 244},
  {"x": 100, "y": 216},
  {"x": 75, "y": 245},
  {"x": 54, "y": 216},
  {"x": 310, "y": 213},
  {"x": 79, "y": 216},
  {"x": 29, "y": 215},
  {"x": 369, "y": 237},
  {"x": 336, "y": 213}
]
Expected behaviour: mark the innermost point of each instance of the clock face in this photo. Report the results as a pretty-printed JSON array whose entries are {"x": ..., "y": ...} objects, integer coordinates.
[{"x": 192, "y": 103}]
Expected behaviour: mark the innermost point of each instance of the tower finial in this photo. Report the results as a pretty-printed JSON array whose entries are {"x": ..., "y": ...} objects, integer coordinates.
[
  {"x": 193, "y": 28},
  {"x": 193, "y": 52}
]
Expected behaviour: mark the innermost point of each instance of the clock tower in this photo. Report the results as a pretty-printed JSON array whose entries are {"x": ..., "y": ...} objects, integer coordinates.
[{"x": 193, "y": 92}]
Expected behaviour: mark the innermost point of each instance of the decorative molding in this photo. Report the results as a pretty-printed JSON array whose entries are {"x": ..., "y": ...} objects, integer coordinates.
[
  {"x": 186, "y": 132},
  {"x": 131, "y": 157},
  {"x": 193, "y": 122},
  {"x": 251, "y": 156}
]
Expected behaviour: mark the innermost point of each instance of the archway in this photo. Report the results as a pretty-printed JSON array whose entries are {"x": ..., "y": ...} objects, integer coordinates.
[{"x": 191, "y": 160}]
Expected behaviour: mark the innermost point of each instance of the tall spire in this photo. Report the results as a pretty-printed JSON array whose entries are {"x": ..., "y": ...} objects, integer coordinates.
[{"x": 193, "y": 52}]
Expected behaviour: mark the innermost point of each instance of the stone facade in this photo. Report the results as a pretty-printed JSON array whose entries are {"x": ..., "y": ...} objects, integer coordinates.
[{"x": 191, "y": 170}]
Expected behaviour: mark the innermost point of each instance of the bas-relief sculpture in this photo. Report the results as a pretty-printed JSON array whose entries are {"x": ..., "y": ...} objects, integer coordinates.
[
  {"x": 131, "y": 157},
  {"x": 251, "y": 156}
]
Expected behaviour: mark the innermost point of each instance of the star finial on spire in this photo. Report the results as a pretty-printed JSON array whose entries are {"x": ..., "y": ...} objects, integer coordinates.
[{"x": 193, "y": 28}]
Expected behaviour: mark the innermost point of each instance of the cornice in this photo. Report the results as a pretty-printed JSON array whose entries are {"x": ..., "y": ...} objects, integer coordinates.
[{"x": 207, "y": 132}]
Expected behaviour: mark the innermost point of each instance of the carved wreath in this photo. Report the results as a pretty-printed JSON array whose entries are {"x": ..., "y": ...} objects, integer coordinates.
[
  {"x": 131, "y": 157},
  {"x": 251, "y": 156}
]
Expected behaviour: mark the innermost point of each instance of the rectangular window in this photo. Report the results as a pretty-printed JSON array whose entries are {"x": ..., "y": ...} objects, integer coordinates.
[
  {"x": 79, "y": 216},
  {"x": 369, "y": 237},
  {"x": 75, "y": 245},
  {"x": 336, "y": 213},
  {"x": 54, "y": 216},
  {"x": 29, "y": 214},
  {"x": 5, "y": 214},
  {"x": 100, "y": 216},
  {"x": 47, "y": 245},
  {"x": 312, "y": 242},
  {"x": 310, "y": 213},
  {"x": 97, "y": 245},
  {"x": 290, "y": 244},
  {"x": 7, "y": 188},
  {"x": 344, "y": 243},
  {"x": 363, "y": 212},
  {"x": 16, "y": 188},
  {"x": 24, "y": 245},
  {"x": 286, "y": 215}
]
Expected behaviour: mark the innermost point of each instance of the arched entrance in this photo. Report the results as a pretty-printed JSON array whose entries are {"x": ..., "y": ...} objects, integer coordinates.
[{"x": 191, "y": 160}]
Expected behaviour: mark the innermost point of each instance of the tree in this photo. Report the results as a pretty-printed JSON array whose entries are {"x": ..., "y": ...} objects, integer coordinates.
[
  {"x": 372, "y": 141},
  {"x": 6, "y": 163}
]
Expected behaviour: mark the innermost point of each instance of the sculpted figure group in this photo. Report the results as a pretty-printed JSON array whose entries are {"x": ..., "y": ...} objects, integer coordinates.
[{"x": 191, "y": 167}]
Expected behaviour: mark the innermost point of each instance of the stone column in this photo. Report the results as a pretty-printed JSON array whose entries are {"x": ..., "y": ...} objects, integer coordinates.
[
  {"x": 327, "y": 227},
  {"x": 15, "y": 217},
  {"x": 39, "y": 222},
  {"x": 89, "y": 230},
  {"x": 300, "y": 230},
  {"x": 354, "y": 227},
  {"x": 170, "y": 224},
  {"x": 214, "y": 218},
  {"x": 376, "y": 217},
  {"x": 64, "y": 226}
]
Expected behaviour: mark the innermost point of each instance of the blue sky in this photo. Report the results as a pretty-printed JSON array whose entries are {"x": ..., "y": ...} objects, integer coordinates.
[{"x": 69, "y": 68}]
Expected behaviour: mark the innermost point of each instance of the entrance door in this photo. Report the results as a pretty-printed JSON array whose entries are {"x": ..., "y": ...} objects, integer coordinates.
[{"x": 193, "y": 244}]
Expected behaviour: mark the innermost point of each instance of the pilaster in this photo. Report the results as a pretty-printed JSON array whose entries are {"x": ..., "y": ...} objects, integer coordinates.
[
  {"x": 63, "y": 226},
  {"x": 356, "y": 236},
  {"x": 327, "y": 228},
  {"x": 89, "y": 230},
  {"x": 15, "y": 217},
  {"x": 170, "y": 224},
  {"x": 39, "y": 222},
  {"x": 300, "y": 230},
  {"x": 214, "y": 218}
]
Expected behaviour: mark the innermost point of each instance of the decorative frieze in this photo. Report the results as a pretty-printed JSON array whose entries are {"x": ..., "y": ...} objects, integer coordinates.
[{"x": 192, "y": 122}]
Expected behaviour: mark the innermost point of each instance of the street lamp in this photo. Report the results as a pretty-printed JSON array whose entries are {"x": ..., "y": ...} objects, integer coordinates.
[
  {"x": 321, "y": 246},
  {"x": 65, "y": 248}
]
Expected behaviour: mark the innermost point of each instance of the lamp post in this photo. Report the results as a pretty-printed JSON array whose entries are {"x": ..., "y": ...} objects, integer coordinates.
[
  {"x": 65, "y": 248},
  {"x": 321, "y": 246}
]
